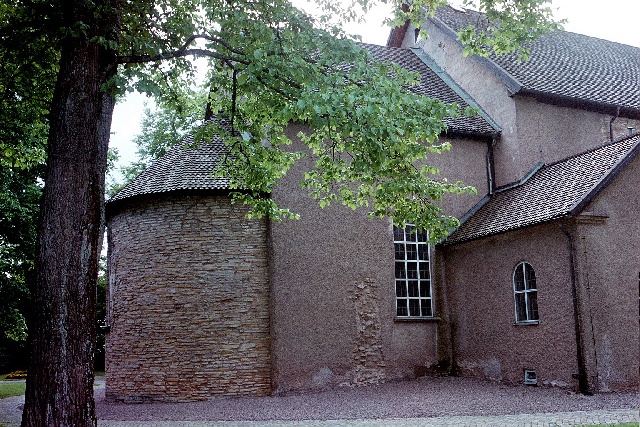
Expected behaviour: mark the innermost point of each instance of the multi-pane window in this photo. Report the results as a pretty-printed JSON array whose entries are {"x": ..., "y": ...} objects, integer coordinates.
[
  {"x": 525, "y": 293},
  {"x": 412, "y": 271}
]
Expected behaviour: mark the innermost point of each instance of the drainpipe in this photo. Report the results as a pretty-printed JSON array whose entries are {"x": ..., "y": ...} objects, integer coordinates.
[
  {"x": 583, "y": 379},
  {"x": 613, "y": 119},
  {"x": 491, "y": 172}
]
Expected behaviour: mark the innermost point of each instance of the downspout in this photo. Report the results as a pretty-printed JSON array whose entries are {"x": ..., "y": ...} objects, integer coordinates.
[
  {"x": 583, "y": 380},
  {"x": 491, "y": 172},
  {"x": 446, "y": 347},
  {"x": 613, "y": 119}
]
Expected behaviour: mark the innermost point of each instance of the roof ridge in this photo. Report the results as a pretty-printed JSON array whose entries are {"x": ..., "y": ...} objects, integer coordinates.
[
  {"x": 467, "y": 10},
  {"x": 598, "y": 38}
]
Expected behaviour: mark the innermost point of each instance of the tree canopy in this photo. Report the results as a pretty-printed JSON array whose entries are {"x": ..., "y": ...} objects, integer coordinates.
[
  {"x": 27, "y": 77},
  {"x": 273, "y": 67}
]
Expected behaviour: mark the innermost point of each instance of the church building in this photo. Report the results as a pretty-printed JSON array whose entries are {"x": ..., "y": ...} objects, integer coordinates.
[{"x": 538, "y": 285}]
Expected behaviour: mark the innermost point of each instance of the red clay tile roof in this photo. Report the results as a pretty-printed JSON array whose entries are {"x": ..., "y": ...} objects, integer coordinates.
[
  {"x": 554, "y": 191},
  {"x": 566, "y": 67}
]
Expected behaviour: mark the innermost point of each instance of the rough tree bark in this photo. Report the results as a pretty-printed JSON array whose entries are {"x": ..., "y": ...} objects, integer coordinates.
[{"x": 62, "y": 325}]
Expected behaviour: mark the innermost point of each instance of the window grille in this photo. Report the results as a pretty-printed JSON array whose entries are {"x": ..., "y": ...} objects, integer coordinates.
[
  {"x": 525, "y": 293},
  {"x": 412, "y": 273}
]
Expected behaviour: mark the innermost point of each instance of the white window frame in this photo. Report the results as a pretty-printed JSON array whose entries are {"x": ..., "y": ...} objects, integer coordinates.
[
  {"x": 527, "y": 295},
  {"x": 412, "y": 273}
]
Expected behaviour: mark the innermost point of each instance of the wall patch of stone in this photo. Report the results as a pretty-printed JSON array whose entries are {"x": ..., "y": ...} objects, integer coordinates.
[{"x": 367, "y": 356}]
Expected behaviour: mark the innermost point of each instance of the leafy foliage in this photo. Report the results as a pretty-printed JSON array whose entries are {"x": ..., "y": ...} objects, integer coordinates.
[
  {"x": 271, "y": 64},
  {"x": 27, "y": 76},
  {"x": 369, "y": 135},
  {"x": 507, "y": 26}
]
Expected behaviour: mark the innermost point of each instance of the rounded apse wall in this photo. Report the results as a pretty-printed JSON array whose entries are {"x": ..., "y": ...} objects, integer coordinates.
[{"x": 188, "y": 300}]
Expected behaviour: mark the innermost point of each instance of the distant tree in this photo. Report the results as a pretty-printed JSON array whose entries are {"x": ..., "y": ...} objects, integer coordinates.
[
  {"x": 272, "y": 65},
  {"x": 27, "y": 75},
  {"x": 101, "y": 314},
  {"x": 19, "y": 198},
  {"x": 163, "y": 125}
]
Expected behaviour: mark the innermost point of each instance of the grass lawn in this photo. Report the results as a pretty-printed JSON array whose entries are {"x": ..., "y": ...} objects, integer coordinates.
[
  {"x": 613, "y": 425},
  {"x": 16, "y": 388},
  {"x": 11, "y": 388}
]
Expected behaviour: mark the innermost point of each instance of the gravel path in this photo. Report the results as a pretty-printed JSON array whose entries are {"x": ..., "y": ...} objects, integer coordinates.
[
  {"x": 424, "y": 397},
  {"x": 421, "y": 398}
]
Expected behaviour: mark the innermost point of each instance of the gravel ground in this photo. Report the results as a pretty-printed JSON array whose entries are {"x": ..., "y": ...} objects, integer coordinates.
[
  {"x": 421, "y": 398},
  {"x": 424, "y": 397}
]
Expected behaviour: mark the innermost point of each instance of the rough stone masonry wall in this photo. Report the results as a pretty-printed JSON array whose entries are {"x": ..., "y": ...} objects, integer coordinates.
[
  {"x": 367, "y": 354},
  {"x": 188, "y": 301}
]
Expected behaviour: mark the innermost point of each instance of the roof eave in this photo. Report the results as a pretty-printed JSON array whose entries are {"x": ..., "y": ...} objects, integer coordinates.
[
  {"x": 507, "y": 230},
  {"x": 453, "y": 132},
  {"x": 584, "y": 104}
]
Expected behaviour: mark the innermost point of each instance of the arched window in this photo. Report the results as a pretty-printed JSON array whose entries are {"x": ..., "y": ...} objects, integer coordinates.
[{"x": 525, "y": 293}]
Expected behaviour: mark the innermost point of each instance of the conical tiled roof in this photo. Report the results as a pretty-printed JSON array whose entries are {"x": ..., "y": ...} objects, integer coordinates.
[{"x": 187, "y": 166}]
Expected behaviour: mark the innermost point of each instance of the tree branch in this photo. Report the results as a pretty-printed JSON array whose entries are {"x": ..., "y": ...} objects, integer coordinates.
[
  {"x": 184, "y": 51},
  {"x": 138, "y": 59}
]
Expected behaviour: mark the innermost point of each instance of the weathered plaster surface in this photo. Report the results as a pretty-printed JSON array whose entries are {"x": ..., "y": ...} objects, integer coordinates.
[
  {"x": 472, "y": 74},
  {"x": 608, "y": 255},
  {"x": 478, "y": 282},
  {"x": 532, "y": 131},
  {"x": 549, "y": 133},
  {"x": 332, "y": 278},
  {"x": 486, "y": 341}
]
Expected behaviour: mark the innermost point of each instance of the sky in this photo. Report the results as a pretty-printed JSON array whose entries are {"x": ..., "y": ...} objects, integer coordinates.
[{"x": 615, "y": 20}]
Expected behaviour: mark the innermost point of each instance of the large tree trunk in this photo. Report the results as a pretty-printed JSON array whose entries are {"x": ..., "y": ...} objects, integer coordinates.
[{"x": 62, "y": 325}]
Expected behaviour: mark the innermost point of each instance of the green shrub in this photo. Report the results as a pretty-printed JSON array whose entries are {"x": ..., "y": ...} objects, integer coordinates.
[{"x": 16, "y": 375}]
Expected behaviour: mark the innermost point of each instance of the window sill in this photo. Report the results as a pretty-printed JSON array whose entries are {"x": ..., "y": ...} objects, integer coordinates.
[
  {"x": 529, "y": 323},
  {"x": 417, "y": 319}
]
